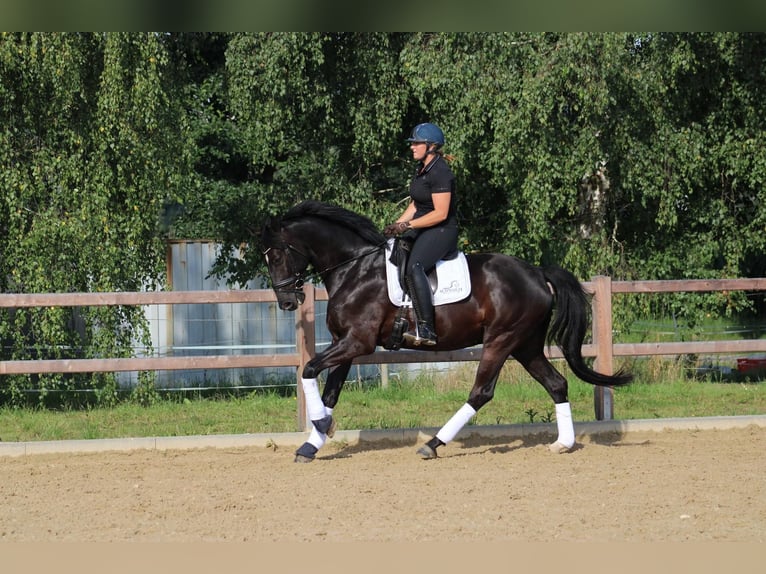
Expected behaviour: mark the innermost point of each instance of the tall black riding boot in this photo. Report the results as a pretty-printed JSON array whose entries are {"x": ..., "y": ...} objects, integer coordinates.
[{"x": 420, "y": 291}]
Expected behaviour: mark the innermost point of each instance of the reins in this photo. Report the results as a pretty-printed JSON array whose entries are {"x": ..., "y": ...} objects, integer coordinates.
[
  {"x": 365, "y": 254},
  {"x": 297, "y": 280}
]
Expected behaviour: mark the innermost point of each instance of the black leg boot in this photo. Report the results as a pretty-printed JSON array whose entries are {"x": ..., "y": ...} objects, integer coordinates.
[{"x": 420, "y": 291}]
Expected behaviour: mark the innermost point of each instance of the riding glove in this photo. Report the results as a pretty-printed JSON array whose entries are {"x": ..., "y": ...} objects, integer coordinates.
[{"x": 396, "y": 228}]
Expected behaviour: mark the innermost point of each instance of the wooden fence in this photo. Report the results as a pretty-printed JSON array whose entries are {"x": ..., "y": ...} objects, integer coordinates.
[{"x": 602, "y": 348}]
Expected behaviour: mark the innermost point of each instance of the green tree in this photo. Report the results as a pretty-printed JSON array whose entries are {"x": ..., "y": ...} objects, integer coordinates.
[
  {"x": 635, "y": 156},
  {"x": 295, "y": 116},
  {"x": 623, "y": 154},
  {"x": 92, "y": 147},
  {"x": 632, "y": 155}
]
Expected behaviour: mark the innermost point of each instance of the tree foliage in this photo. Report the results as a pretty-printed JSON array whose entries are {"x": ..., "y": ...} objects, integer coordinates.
[
  {"x": 601, "y": 152},
  {"x": 91, "y": 149},
  {"x": 632, "y": 155}
]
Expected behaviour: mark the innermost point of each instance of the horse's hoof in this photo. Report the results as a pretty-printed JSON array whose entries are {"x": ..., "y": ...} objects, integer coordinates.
[
  {"x": 325, "y": 425},
  {"x": 558, "y": 448},
  {"x": 426, "y": 452},
  {"x": 306, "y": 453}
]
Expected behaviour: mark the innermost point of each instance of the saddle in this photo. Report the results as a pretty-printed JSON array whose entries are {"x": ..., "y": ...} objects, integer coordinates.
[
  {"x": 450, "y": 282},
  {"x": 449, "y": 279}
]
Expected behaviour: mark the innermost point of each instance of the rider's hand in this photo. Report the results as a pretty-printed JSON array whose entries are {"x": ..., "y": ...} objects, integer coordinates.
[
  {"x": 396, "y": 228},
  {"x": 389, "y": 230}
]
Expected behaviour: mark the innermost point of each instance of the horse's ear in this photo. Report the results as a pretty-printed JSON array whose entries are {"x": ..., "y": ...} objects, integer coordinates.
[
  {"x": 269, "y": 225},
  {"x": 272, "y": 223},
  {"x": 269, "y": 230}
]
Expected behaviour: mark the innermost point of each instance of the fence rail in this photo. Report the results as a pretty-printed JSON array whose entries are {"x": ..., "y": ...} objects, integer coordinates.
[{"x": 603, "y": 348}]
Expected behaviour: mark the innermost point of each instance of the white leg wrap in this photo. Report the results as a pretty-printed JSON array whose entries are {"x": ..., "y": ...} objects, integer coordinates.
[
  {"x": 458, "y": 421},
  {"x": 317, "y": 438},
  {"x": 565, "y": 425},
  {"x": 314, "y": 404}
]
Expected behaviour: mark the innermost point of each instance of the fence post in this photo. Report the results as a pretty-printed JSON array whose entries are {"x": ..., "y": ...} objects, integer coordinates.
[
  {"x": 305, "y": 343},
  {"x": 602, "y": 338}
]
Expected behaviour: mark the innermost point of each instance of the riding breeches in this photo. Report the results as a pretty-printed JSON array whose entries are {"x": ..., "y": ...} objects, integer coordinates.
[{"x": 431, "y": 245}]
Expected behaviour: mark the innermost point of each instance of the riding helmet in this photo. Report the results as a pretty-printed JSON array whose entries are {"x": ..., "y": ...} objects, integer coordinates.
[{"x": 427, "y": 133}]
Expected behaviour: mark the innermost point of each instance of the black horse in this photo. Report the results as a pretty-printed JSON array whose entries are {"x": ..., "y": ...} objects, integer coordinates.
[{"x": 509, "y": 312}]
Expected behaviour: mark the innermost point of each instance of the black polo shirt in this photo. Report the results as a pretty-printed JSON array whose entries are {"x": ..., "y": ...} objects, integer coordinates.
[{"x": 436, "y": 177}]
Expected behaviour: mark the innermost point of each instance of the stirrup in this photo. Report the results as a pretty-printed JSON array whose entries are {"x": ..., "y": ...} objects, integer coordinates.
[{"x": 415, "y": 339}]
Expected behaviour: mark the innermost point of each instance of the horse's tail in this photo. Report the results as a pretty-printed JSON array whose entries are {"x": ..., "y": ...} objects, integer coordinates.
[{"x": 570, "y": 324}]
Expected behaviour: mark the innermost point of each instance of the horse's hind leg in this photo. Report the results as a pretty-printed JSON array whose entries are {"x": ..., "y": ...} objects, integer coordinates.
[
  {"x": 482, "y": 392},
  {"x": 554, "y": 382}
]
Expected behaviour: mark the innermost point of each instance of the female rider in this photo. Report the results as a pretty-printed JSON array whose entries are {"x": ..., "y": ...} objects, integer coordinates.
[{"x": 431, "y": 220}]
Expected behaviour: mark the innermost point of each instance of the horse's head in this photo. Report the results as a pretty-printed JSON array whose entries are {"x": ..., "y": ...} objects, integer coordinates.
[
  {"x": 313, "y": 233},
  {"x": 287, "y": 265}
]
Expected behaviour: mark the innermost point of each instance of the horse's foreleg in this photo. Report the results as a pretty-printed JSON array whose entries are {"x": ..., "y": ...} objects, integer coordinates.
[
  {"x": 336, "y": 377},
  {"x": 318, "y": 413},
  {"x": 322, "y": 423},
  {"x": 320, "y": 408}
]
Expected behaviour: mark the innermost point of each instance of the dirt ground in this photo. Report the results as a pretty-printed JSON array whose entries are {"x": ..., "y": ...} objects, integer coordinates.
[{"x": 705, "y": 485}]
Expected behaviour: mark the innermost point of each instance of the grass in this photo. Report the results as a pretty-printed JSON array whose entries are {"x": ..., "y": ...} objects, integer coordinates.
[
  {"x": 661, "y": 390},
  {"x": 257, "y": 413}
]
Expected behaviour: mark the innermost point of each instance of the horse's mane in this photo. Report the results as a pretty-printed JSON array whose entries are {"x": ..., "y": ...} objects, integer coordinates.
[{"x": 359, "y": 224}]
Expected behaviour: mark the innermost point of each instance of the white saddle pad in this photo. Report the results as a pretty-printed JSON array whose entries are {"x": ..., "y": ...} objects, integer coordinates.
[{"x": 453, "y": 281}]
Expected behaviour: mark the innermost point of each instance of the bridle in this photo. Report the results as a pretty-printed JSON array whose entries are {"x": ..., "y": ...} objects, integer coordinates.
[{"x": 294, "y": 283}]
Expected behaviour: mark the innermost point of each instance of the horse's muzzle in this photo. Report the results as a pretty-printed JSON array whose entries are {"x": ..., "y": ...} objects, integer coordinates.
[{"x": 291, "y": 300}]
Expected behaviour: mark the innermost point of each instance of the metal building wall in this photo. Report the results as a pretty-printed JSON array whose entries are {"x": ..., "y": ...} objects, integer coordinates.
[
  {"x": 215, "y": 328},
  {"x": 224, "y": 328}
]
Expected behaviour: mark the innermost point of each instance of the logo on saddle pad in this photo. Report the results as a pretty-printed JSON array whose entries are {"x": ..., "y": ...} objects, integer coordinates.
[{"x": 453, "y": 282}]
